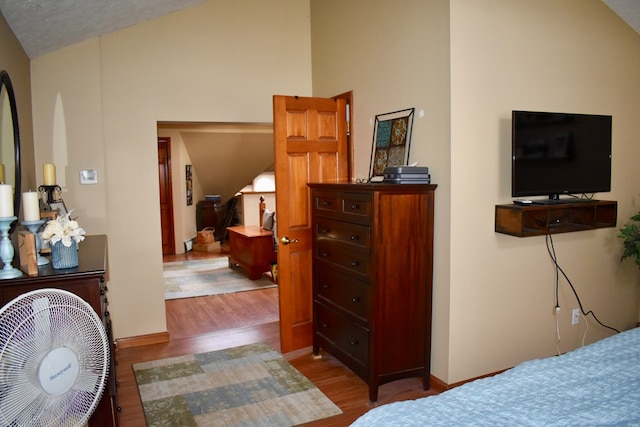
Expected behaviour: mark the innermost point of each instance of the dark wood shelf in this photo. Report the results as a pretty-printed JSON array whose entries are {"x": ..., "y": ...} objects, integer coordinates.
[{"x": 539, "y": 220}]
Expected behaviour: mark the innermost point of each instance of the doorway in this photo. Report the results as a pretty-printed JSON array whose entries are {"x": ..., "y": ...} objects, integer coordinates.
[
  {"x": 244, "y": 156},
  {"x": 224, "y": 158}
]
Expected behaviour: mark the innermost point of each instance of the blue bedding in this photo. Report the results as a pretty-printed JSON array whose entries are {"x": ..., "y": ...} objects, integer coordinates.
[{"x": 595, "y": 385}]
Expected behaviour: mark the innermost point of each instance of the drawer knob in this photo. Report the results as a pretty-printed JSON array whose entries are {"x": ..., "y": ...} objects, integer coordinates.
[
  {"x": 355, "y": 206},
  {"x": 326, "y": 286},
  {"x": 355, "y": 237},
  {"x": 325, "y": 254},
  {"x": 355, "y": 299},
  {"x": 325, "y": 325},
  {"x": 354, "y": 342},
  {"x": 326, "y": 203},
  {"x": 355, "y": 264},
  {"x": 324, "y": 231}
]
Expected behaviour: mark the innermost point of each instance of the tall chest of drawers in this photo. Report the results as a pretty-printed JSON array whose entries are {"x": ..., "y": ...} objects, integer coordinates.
[{"x": 372, "y": 283}]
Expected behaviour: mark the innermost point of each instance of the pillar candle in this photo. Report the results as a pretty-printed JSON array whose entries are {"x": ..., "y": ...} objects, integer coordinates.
[
  {"x": 49, "y": 174},
  {"x": 6, "y": 200},
  {"x": 31, "y": 206},
  {"x": 1, "y": 173}
]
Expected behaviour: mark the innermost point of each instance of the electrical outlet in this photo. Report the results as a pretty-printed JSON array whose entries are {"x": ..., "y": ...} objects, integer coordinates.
[{"x": 575, "y": 316}]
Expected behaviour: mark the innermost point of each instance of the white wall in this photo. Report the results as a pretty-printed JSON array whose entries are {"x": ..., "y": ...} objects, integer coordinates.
[
  {"x": 467, "y": 65},
  {"x": 215, "y": 62}
]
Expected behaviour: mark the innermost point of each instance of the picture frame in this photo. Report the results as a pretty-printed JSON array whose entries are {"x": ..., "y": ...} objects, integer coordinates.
[
  {"x": 189, "y": 183},
  {"x": 59, "y": 207},
  {"x": 391, "y": 141}
]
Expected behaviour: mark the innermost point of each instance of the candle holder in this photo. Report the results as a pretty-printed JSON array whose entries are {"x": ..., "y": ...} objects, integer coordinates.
[
  {"x": 6, "y": 250},
  {"x": 52, "y": 193},
  {"x": 52, "y": 198},
  {"x": 33, "y": 227}
]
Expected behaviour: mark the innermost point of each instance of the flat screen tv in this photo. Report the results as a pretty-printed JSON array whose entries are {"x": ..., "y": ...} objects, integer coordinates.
[{"x": 560, "y": 153}]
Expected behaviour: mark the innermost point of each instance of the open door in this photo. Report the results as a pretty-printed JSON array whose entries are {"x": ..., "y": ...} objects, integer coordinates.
[
  {"x": 166, "y": 199},
  {"x": 310, "y": 142}
]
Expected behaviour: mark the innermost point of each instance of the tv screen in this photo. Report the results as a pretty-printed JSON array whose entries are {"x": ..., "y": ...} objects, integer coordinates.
[{"x": 560, "y": 153}]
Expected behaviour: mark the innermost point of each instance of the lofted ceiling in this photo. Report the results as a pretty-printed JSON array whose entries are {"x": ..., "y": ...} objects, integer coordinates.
[{"x": 43, "y": 26}]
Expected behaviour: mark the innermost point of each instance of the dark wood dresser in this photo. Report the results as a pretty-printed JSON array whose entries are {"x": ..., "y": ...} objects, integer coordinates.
[
  {"x": 88, "y": 281},
  {"x": 210, "y": 213},
  {"x": 372, "y": 266}
]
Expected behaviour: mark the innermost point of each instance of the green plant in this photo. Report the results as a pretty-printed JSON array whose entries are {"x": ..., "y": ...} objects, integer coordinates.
[{"x": 631, "y": 235}]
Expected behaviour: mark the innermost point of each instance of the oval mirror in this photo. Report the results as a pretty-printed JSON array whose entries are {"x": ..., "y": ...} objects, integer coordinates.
[{"x": 9, "y": 140}]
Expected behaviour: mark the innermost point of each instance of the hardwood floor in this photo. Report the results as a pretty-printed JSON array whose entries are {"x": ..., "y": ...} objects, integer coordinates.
[{"x": 223, "y": 321}]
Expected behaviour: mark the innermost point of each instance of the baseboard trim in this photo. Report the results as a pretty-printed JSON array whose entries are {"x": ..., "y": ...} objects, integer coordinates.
[
  {"x": 159, "y": 338},
  {"x": 440, "y": 386}
]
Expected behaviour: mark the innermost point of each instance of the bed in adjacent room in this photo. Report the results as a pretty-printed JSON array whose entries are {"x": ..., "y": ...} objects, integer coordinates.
[{"x": 595, "y": 385}]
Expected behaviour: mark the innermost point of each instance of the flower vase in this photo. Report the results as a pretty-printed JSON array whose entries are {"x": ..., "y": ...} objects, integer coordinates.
[{"x": 63, "y": 256}]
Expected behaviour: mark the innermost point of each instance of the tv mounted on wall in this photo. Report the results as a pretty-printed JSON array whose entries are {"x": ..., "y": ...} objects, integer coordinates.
[{"x": 560, "y": 153}]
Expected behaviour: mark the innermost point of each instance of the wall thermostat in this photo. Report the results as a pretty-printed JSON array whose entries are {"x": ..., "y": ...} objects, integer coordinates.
[{"x": 88, "y": 177}]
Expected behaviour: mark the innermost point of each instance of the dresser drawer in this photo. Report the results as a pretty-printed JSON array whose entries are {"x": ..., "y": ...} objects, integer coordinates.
[
  {"x": 350, "y": 338},
  {"x": 352, "y": 261},
  {"x": 349, "y": 294},
  {"x": 327, "y": 203},
  {"x": 345, "y": 206},
  {"x": 357, "y": 207},
  {"x": 344, "y": 232}
]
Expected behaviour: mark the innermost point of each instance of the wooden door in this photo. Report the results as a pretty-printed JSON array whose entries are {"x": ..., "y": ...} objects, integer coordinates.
[
  {"x": 166, "y": 199},
  {"x": 310, "y": 143}
]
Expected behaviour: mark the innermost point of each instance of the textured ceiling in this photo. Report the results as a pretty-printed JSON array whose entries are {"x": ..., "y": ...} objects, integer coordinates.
[
  {"x": 43, "y": 26},
  {"x": 629, "y": 10}
]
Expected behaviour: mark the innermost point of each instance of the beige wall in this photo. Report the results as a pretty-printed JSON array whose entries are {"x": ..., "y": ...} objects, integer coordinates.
[
  {"x": 216, "y": 62},
  {"x": 467, "y": 64},
  {"x": 16, "y": 63},
  {"x": 464, "y": 64},
  {"x": 395, "y": 58}
]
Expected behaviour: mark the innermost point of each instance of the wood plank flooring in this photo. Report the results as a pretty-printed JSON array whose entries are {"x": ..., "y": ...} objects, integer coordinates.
[{"x": 223, "y": 321}]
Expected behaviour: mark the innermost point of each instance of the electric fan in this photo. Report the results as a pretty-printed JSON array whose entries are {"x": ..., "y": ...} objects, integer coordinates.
[{"x": 54, "y": 360}]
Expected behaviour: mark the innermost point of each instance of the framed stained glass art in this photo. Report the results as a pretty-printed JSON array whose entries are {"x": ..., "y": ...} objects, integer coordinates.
[{"x": 391, "y": 140}]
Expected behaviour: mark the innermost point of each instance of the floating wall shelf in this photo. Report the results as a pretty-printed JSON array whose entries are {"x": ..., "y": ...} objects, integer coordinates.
[{"x": 539, "y": 220}]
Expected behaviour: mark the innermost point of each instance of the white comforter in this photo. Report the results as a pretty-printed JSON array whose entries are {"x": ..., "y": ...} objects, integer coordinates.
[{"x": 596, "y": 385}]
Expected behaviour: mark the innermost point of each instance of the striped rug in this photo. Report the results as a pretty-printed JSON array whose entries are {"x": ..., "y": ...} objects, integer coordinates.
[
  {"x": 209, "y": 276},
  {"x": 251, "y": 385}
]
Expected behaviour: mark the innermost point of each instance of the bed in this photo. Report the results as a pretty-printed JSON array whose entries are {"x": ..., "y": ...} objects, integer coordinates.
[{"x": 598, "y": 384}]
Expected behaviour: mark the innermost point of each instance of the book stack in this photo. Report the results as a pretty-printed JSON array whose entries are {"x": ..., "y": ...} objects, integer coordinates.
[{"x": 407, "y": 175}]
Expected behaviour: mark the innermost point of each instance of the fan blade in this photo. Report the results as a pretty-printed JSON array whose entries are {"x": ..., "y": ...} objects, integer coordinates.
[
  {"x": 22, "y": 395},
  {"x": 42, "y": 322},
  {"x": 87, "y": 381}
]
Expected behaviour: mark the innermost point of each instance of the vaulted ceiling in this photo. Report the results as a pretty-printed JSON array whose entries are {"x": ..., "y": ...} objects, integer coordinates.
[{"x": 43, "y": 26}]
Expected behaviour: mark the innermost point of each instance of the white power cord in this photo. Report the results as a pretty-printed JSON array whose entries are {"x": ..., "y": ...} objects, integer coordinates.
[{"x": 557, "y": 313}]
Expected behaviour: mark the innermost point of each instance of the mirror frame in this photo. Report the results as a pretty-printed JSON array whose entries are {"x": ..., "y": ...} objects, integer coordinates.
[{"x": 5, "y": 82}]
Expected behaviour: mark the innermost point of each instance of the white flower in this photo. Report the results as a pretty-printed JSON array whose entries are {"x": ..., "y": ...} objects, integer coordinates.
[{"x": 63, "y": 229}]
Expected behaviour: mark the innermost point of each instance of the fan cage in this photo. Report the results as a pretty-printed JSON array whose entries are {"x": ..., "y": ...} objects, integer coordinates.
[{"x": 31, "y": 326}]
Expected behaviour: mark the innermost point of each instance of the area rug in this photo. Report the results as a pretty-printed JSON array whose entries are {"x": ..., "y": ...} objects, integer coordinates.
[
  {"x": 250, "y": 385},
  {"x": 210, "y": 276}
]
